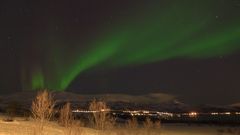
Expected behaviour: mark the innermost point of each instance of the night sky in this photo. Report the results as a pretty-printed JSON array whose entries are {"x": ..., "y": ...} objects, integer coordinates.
[{"x": 186, "y": 48}]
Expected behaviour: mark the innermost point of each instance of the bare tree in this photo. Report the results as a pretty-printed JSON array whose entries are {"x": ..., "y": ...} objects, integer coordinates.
[
  {"x": 42, "y": 109},
  {"x": 66, "y": 119},
  {"x": 43, "y": 106},
  {"x": 132, "y": 123},
  {"x": 148, "y": 123},
  {"x": 66, "y": 116},
  {"x": 157, "y": 124},
  {"x": 101, "y": 119}
]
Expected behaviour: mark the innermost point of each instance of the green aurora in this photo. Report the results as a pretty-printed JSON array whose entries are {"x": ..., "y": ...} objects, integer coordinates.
[{"x": 187, "y": 30}]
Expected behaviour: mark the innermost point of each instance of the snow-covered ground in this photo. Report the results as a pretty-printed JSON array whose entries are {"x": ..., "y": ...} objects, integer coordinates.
[
  {"x": 20, "y": 126},
  {"x": 185, "y": 129}
]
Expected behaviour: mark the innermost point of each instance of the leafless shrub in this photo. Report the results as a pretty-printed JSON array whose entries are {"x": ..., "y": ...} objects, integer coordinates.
[
  {"x": 43, "y": 106},
  {"x": 148, "y": 123},
  {"x": 131, "y": 128},
  {"x": 150, "y": 127},
  {"x": 157, "y": 124},
  {"x": 73, "y": 129},
  {"x": 42, "y": 110},
  {"x": 66, "y": 117},
  {"x": 132, "y": 123},
  {"x": 101, "y": 119},
  {"x": 110, "y": 123}
]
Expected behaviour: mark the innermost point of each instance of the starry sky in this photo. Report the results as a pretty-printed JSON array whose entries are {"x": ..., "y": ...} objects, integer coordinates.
[{"x": 188, "y": 48}]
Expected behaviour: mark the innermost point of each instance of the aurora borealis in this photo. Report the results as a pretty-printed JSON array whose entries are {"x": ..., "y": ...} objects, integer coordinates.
[{"x": 54, "y": 43}]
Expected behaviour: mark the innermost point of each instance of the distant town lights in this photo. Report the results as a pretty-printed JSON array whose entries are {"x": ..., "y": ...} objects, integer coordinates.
[
  {"x": 193, "y": 114},
  {"x": 160, "y": 114}
]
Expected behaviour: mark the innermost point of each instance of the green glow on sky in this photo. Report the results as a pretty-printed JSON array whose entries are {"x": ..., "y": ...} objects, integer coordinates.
[
  {"x": 95, "y": 56},
  {"x": 182, "y": 30},
  {"x": 37, "y": 80}
]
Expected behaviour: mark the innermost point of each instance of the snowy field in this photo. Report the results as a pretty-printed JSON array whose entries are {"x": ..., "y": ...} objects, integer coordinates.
[{"x": 21, "y": 126}]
